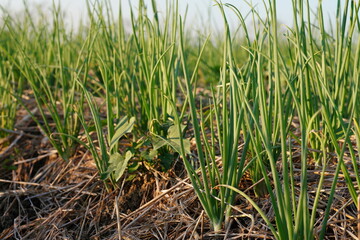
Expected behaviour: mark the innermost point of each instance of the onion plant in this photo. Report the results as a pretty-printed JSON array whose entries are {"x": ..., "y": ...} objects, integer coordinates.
[
  {"x": 221, "y": 127},
  {"x": 276, "y": 92},
  {"x": 8, "y": 87},
  {"x": 46, "y": 58},
  {"x": 313, "y": 100},
  {"x": 142, "y": 68},
  {"x": 110, "y": 162},
  {"x": 307, "y": 80},
  {"x": 11, "y": 82}
]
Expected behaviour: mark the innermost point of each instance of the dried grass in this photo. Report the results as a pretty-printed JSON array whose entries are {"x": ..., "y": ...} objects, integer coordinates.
[{"x": 47, "y": 198}]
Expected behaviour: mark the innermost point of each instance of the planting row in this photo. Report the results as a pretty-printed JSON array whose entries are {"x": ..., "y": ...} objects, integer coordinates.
[{"x": 246, "y": 99}]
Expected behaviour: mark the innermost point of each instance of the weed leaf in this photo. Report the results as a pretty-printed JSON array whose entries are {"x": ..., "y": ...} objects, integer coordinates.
[
  {"x": 118, "y": 164},
  {"x": 124, "y": 126},
  {"x": 173, "y": 139}
]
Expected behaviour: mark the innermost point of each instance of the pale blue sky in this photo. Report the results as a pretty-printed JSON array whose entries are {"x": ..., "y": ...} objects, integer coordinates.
[{"x": 198, "y": 9}]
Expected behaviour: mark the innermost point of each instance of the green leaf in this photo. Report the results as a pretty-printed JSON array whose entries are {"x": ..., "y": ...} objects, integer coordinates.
[
  {"x": 149, "y": 155},
  {"x": 166, "y": 160},
  {"x": 118, "y": 163},
  {"x": 131, "y": 177},
  {"x": 173, "y": 130},
  {"x": 104, "y": 175},
  {"x": 152, "y": 153},
  {"x": 339, "y": 132},
  {"x": 158, "y": 142},
  {"x": 173, "y": 139},
  {"x": 123, "y": 127},
  {"x": 133, "y": 167}
]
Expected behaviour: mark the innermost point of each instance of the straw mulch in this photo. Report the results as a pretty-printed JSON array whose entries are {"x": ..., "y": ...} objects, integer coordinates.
[{"x": 44, "y": 197}]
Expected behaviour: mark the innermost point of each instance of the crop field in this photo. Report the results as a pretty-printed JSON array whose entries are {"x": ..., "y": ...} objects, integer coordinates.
[{"x": 141, "y": 128}]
